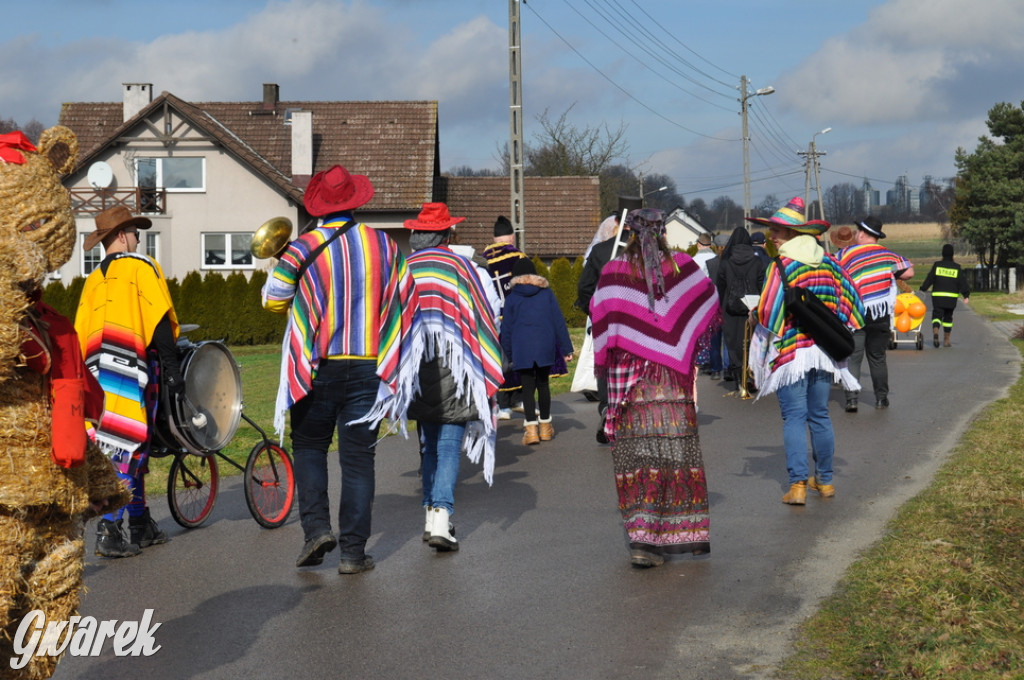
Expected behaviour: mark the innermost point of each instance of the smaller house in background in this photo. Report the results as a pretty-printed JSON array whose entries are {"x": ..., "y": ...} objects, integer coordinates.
[{"x": 682, "y": 229}]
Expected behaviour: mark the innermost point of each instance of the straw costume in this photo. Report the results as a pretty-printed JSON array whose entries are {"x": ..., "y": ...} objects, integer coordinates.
[{"x": 53, "y": 477}]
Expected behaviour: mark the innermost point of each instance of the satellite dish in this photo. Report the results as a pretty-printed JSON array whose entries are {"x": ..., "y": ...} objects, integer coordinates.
[{"x": 100, "y": 175}]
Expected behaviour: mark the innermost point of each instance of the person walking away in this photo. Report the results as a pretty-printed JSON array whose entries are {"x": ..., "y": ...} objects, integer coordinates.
[
  {"x": 787, "y": 361},
  {"x": 534, "y": 334},
  {"x": 757, "y": 239},
  {"x": 949, "y": 281},
  {"x": 874, "y": 270},
  {"x": 739, "y": 275},
  {"x": 653, "y": 310},
  {"x": 460, "y": 368},
  {"x": 600, "y": 254},
  {"x": 128, "y": 329},
  {"x": 501, "y": 256},
  {"x": 352, "y": 324},
  {"x": 709, "y": 262}
]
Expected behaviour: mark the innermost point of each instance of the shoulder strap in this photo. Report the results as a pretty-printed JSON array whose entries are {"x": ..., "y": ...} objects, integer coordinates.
[
  {"x": 782, "y": 273},
  {"x": 338, "y": 231}
]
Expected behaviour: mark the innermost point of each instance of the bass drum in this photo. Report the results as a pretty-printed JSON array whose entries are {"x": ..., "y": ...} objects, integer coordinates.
[{"x": 211, "y": 407}]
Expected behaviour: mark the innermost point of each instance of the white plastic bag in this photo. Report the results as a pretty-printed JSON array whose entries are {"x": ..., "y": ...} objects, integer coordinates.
[{"x": 584, "y": 380}]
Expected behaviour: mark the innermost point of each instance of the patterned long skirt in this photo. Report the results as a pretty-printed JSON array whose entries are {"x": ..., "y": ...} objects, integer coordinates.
[{"x": 659, "y": 469}]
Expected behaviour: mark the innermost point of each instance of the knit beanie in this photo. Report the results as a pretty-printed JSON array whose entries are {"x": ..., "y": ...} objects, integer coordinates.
[
  {"x": 523, "y": 265},
  {"x": 502, "y": 226},
  {"x": 947, "y": 251}
]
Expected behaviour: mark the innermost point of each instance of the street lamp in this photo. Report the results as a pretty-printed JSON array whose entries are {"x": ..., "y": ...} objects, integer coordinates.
[
  {"x": 812, "y": 163},
  {"x": 746, "y": 94},
  {"x": 653, "y": 192}
]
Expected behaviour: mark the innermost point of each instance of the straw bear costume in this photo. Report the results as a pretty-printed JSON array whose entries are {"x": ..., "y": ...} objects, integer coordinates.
[{"x": 43, "y": 504}]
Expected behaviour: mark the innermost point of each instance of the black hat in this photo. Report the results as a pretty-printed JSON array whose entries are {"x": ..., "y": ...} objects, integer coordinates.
[
  {"x": 502, "y": 226},
  {"x": 871, "y": 225},
  {"x": 523, "y": 265},
  {"x": 947, "y": 250},
  {"x": 757, "y": 238}
]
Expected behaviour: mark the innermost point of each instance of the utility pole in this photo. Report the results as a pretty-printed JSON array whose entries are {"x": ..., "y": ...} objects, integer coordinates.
[
  {"x": 811, "y": 165},
  {"x": 745, "y": 94},
  {"x": 515, "y": 120}
]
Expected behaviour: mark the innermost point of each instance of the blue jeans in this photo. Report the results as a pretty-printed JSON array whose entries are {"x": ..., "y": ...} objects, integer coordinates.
[
  {"x": 716, "y": 352},
  {"x": 442, "y": 446},
  {"x": 804, "y": 407},
  {"x": 343, "y": 390}
]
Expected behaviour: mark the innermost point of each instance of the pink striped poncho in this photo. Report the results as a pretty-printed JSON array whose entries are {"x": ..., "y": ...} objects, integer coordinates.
[{"x": 667, "y": 335}]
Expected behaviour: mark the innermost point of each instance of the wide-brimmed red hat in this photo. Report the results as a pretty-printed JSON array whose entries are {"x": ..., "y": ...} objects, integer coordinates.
[
  {"x": 335, "y": 190},
  {"x": 433, "y": 217},
  {"x": 112, "y": 219},
  {"x": 791, "y": 216}
]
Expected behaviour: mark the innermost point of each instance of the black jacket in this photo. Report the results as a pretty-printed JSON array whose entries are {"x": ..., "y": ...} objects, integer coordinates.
[
  {"x": 950, "y": 282},
  {"x": 600, "y": 255},
  {"x": 739, "y": 274}
]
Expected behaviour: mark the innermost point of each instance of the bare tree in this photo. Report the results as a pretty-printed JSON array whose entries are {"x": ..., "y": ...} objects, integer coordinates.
[
  {"x": 841, "y": 204},
  {"x": 562, "y": 149}
]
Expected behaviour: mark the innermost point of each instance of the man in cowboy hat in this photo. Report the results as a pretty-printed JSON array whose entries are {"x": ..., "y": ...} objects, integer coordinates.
[
  {"x": 124, "y": 311},
  {"x": 874, "y": 270},
  {"x": 792, "y": 364},
  {"x": 351, "y": 325},
  {"x": 458, "y": 375}
]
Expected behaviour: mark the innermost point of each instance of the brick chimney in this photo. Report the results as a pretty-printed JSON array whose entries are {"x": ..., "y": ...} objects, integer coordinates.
[
  {"x": 137, "y": 96},
  {"x": 302, "y": 147},
  {"x": 271, "y": 96}
]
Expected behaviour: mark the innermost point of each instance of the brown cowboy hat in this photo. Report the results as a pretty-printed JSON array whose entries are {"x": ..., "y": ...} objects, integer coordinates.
[
  {"x": 112, "y": 219},
  {"x": 843, "y": 236},
  {"x": 433, "y": 217},
  {"x": 335, "y": 190}
]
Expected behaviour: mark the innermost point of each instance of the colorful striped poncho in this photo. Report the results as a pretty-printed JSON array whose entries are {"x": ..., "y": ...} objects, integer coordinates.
[
  {"x": 667, "y": 335},
  {"x": 780, "y": 352},
  {"x": 871, "y": 267},
  {"x": 117, "y": 315},
  {"x": 356, "y": 300},
  {"x": 458, "y": 326}
]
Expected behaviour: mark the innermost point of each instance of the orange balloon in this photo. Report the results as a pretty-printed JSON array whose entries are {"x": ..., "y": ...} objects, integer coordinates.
[
  {"x": 903, "y": 323},
  {"x": 917, "y": 309},
  {"x": 899, "y": 308}
]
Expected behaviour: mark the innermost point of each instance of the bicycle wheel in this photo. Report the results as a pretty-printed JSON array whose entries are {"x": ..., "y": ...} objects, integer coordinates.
[
  {"x": 269, "y": 484},
  {"x": 192, "y": 488}
]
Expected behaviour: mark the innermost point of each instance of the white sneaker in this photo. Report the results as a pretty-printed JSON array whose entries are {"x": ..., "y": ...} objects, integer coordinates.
[{"x": 504, "y": 414}]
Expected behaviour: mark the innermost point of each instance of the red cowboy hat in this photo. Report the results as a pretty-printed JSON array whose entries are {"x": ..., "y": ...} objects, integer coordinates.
[
  {"x": 433, "y": 217},
  {"x": 335, "y": 190}
]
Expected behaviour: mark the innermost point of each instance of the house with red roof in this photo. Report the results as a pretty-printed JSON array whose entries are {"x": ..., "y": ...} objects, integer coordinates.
[{"x": 208, "y": 174}]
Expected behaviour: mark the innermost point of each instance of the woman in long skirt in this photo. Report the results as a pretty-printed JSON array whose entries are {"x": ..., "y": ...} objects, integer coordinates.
[{"x": 653, "y": 310}]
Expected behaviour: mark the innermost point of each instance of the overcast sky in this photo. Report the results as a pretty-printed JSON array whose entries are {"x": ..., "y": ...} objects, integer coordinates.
[{"x": 902, "y": 83}]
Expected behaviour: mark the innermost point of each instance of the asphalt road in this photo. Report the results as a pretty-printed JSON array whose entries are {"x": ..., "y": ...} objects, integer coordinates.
[{"x": 542, "y": 586}]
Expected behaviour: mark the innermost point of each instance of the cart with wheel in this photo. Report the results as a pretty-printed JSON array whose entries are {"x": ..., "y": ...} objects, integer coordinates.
[
  {"x": 196, "y": 425},
  {"x": 907, "y": 315}
]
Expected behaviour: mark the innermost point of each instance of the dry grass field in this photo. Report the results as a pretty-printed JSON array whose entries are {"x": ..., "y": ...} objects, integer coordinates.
[{"x": 916, "y": 231}]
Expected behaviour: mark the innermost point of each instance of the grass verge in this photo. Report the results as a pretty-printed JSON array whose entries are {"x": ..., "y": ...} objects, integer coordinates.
[{"x": 940, "y": 596}]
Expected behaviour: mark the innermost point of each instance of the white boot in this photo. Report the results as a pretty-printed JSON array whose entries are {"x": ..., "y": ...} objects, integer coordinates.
[
  {"x": 441, "y": 536},
  {"x": 429, "y": 519}
]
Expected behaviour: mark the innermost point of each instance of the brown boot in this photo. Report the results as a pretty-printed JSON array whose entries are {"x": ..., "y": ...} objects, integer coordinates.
[
  {"x": 935, "y": 335},
  {"x": 546, "y": 430},
  {"x": 797, "y": 494},
  {"x": 945, "y": 339},
  {"x": 530, "y": 435},
  {"x": 826, "y": 490}
]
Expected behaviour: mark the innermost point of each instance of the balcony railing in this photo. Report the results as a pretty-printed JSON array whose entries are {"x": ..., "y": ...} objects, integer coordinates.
[{"x": 139, "y": 201}]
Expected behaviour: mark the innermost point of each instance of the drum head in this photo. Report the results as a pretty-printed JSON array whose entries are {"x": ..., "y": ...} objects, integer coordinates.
[{"x": 213, "y": 396}]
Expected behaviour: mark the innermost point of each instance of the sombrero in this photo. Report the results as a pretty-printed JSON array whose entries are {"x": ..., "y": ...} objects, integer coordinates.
[{"x": 791, "y": 216}]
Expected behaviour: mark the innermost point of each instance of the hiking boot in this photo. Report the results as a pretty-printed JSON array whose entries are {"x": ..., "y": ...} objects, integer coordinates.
[
  {"x": 945, "y": 339},
  {"x": 797, "y": 494},
  {"x": 110, "y": 540},
  {"x": 826, "y": 490},
  {"x": 644, "y": 559},
  {"x": 851, "y": 405},
  {"x": 935, "y": 336},
  {"x": 356, "y": 565},
  {"x": 882, "y": 403},
  {"x": 144, "y": 532}
]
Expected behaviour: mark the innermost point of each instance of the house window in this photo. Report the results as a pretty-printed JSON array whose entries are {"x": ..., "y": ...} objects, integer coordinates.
[
  {"x": 148, "y": 245},
  {"x": 227, "y": 250},
  {"x": 171, "y": 174}
]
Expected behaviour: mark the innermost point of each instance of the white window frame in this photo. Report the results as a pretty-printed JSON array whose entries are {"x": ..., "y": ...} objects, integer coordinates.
[
  {"x": 159, "y": 161},
  {"x": 234, "y": 241}
]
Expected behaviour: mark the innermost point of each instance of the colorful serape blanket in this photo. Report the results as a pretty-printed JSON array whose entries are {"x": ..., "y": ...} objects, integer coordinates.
[
  {"x": 458, "y": 326},
  {"x": 117, "y": 315},
  {"x": 355, "y": 300},
  {"x": 871, "y": 267}
]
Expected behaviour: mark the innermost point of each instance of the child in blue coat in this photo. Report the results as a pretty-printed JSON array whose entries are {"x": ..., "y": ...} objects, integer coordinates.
[{"x": 534, "y": 335}]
